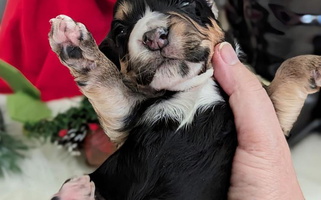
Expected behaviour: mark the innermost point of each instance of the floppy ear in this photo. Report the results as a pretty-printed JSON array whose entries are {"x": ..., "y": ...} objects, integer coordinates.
[
  {"x": 108, "y": 48},
  {"x": 213, "y": 6}
]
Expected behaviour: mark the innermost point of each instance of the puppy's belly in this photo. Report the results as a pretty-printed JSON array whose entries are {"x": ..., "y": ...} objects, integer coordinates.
[{"x": 160, "y": 162}]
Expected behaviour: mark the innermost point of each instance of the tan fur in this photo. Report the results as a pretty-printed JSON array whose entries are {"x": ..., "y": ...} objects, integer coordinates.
[
  {"x": 295, "y": 79},
  {"x": 209, "y": 36},
  {"x": 216, "y": 35},
  {"x": 111, "y": 99},
  {"x": 124, "y": 10}
]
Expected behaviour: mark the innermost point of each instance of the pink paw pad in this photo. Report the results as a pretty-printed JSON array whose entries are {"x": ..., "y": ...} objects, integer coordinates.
[{"x": 66, "y": 30}]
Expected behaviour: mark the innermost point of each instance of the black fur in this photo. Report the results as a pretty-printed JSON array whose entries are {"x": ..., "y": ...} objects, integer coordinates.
[
  {"x": 73, "y": 52},
  {"x": 197, "y": 55},
  {"x": 184, "y": 69},
  {"x": 158, "y": 162}
]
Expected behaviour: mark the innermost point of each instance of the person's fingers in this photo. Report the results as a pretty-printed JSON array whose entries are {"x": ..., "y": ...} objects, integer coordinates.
[
  {"x": 255, "y": 118},
  {"x": 262, "y": 149}
]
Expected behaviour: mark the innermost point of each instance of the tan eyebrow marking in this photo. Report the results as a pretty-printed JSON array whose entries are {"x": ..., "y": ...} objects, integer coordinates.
[{"x": 123, "y": 10}]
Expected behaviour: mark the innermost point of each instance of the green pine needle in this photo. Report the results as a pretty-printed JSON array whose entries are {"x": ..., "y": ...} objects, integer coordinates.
[{"x": 10, "y": 153}]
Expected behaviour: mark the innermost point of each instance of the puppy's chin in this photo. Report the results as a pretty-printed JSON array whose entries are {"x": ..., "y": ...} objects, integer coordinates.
[{"x": 173, "y": 73}]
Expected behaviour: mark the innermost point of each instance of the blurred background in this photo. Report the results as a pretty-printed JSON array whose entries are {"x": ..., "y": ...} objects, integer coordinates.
[{"x": 269, "y": 32}]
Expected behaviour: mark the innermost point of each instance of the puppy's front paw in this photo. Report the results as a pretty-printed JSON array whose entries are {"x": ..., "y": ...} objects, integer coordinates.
[
  {"x": 309, "y": 72},
  {"x": 66, "y": 34},
  {"x": 80, "y": 188},
  {"x": 301, "y": 72},
  {"x": 295, "y": 79},
  {"x": 73, "y": 44}
]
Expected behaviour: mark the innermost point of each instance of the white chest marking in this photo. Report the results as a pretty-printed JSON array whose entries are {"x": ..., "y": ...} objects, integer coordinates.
[{"x": 184, "y": 105}]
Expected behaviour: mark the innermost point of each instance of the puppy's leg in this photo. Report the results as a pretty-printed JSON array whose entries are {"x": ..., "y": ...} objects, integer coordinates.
[
  {"x": 80, "y": 188},
  {"x": 295, "y": 79},
  {"x": 97, "y": 77}
]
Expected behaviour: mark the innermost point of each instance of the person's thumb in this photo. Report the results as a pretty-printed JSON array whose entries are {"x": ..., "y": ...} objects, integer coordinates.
[
  {"x": 252, "y": 108},
  {"x": 231, "y": 73}
]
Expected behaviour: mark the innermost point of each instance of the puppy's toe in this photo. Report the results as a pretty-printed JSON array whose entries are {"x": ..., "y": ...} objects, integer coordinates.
[
  {"x": 66, "y": 36},
  {"x": 66, "y": 30},
  {"x": 316, "y": 75}
]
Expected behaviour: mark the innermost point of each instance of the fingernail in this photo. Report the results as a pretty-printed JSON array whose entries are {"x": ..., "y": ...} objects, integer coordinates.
[{"x": 228, "y": 54}]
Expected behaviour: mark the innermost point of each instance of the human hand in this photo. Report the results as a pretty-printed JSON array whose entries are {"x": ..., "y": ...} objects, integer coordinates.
[{"x": 262, "y": 166}]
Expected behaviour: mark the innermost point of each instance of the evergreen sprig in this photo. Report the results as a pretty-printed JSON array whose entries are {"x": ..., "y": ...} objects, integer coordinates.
[
  {"x": 10, "y": 150},
  {"x": 74, "y": 118}
]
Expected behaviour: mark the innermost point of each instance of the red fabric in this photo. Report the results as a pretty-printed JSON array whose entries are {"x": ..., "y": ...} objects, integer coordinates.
[{"x": 24, "y": 40}]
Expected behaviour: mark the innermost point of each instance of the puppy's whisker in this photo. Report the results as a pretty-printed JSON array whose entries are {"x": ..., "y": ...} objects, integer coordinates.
[{"x": 140, "y": 55}]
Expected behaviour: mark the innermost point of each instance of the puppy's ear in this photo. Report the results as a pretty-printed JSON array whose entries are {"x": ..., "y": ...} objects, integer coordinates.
[
  {"x": 213, "y": 6},
  {"x": 108, "y": 48}
]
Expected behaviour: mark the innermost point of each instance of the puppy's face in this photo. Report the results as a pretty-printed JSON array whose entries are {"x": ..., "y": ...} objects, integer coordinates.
[{"x": 163, "y": 44}]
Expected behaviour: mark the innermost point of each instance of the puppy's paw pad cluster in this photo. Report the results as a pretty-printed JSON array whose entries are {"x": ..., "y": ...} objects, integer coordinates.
[{"x": 66, "y": 30}]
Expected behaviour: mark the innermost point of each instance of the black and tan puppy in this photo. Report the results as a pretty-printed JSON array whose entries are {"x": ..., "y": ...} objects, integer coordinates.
[{"x": 152, "y": 87}]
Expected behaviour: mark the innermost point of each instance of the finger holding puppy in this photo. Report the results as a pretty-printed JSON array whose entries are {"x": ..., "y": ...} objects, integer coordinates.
[{"x": 262, "y": 166}]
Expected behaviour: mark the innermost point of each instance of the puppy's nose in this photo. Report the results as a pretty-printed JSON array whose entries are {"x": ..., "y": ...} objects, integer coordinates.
[{"x": 156, "y": 39}]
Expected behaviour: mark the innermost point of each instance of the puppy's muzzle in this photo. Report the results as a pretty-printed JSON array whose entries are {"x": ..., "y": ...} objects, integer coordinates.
[{"x": 156, "y": 39}]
